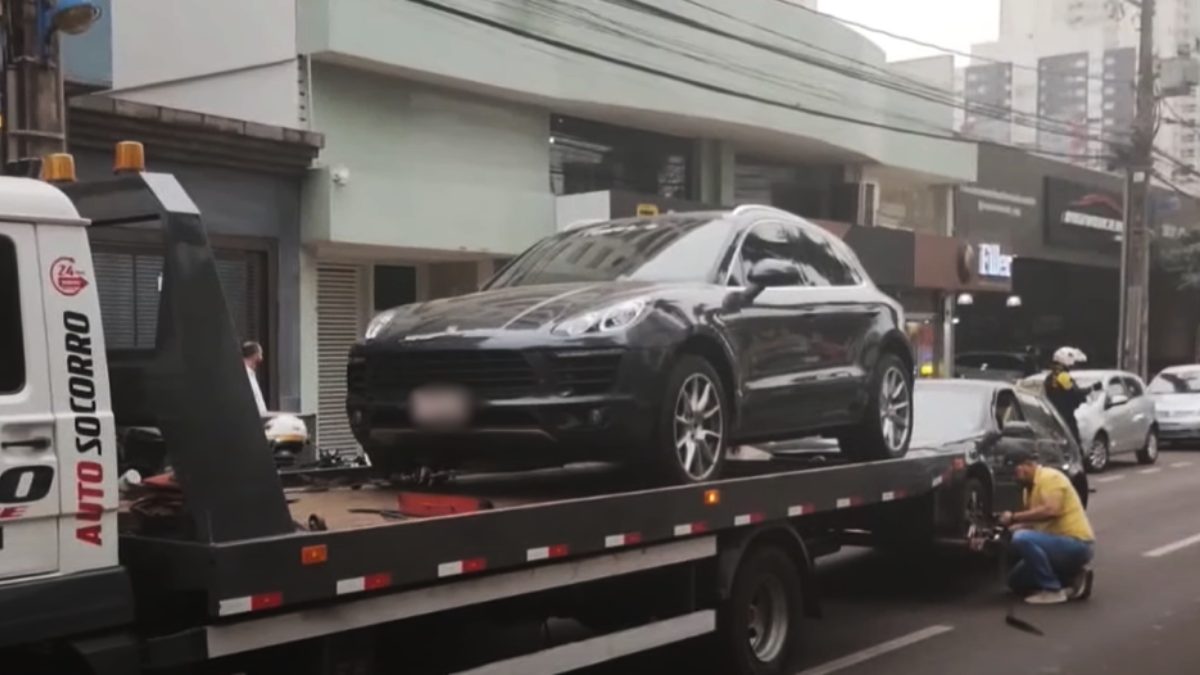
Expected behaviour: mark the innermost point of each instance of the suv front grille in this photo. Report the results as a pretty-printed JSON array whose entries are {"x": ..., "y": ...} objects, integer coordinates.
[{"x": 487, "y": 373}]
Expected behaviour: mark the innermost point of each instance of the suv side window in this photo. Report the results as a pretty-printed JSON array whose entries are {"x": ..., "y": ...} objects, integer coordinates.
[
  {"x": 12, "y": 341},
  {"x": 822, "y": 261},
  {"x": 764, "y": 241},
  {"x": 1135, "y": 387}
]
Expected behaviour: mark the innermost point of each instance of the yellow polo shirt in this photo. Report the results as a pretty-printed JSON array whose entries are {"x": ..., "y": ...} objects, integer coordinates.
[{"x": 1073, "y": 522}]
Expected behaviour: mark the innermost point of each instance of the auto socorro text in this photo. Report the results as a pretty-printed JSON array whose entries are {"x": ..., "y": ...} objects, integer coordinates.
[{"x": 81, "y": 384}]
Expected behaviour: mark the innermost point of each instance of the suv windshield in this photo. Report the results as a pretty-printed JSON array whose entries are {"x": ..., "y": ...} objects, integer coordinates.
[
  {"x": 1176, "y": 382},
  {"x": 674, "y": 248}
]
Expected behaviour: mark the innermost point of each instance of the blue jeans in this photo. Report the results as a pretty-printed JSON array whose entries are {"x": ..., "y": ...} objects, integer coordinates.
[{"x": 1047, "y": 561}]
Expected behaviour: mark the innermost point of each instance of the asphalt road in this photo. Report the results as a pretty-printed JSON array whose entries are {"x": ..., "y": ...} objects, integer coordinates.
[{"x": 885, "y": 615}]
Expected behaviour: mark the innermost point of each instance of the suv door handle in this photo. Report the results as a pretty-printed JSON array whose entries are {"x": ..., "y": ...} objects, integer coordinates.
[{"x": 39, "y": 444}]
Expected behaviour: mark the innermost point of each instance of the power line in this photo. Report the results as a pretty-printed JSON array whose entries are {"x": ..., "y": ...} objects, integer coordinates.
[
  {"x": 708, "y": 86},
  {"x": 882, "y": 77},
  {"x": 928, "y": 45}
]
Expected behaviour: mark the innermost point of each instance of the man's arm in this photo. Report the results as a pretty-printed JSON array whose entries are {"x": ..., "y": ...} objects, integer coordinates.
[{"x": 1050, "y": 508}]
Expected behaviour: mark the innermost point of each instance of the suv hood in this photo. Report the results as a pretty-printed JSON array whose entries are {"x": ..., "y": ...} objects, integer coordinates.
[{"x": 516, "y": 308}]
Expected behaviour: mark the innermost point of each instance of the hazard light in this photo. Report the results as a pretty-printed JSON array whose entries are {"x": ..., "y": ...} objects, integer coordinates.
[
  {"x": 130, "y": 157},
  {"x": 314, "y": 555},
  {"x": 712, "y": 497},
  {"x": 58, "y": 167}
]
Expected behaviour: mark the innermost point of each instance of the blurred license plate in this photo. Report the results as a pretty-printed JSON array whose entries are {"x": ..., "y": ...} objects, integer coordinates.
[{"x": 441, "y": 407}]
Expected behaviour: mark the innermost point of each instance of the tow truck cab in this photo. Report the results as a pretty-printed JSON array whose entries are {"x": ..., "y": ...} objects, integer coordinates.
[{"x": 58, "y": 455}]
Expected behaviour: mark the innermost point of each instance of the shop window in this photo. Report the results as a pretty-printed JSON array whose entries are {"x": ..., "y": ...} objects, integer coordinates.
[
  {"x": 12, "y": 343},
  {"x": 394, "y": 285},
  {"x": 587, "y": 156}
]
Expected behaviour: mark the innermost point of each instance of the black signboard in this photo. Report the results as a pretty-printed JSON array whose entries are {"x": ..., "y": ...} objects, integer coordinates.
[{"x": 1082, "y": 216}]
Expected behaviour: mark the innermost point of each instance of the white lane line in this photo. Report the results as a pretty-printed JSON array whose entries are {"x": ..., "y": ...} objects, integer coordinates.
[
  {"x": 1110, "y": 479},
  {"x": 878, "y": 650},
  {"x": 1147, "y": 472},
  {"x": 1180, "y": 465},
  {"x": 1172, "y": 547}
]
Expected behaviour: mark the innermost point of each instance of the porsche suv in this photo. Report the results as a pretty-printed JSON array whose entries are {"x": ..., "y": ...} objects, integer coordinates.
[{"x": 661, "y": 341}]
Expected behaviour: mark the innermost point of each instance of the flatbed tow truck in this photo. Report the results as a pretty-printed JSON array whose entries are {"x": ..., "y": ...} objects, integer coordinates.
[{"x": 241, "y": 570}]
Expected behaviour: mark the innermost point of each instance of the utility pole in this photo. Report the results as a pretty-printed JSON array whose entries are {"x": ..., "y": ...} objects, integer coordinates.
[
  {"x": 1135, "y": 244},
  {"x": 34, "y": 107}
]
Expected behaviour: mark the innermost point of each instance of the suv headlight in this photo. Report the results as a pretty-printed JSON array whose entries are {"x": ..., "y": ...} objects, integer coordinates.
[
  {"x": 380, "y": 322},
  {"x": 603, "y": 321}
]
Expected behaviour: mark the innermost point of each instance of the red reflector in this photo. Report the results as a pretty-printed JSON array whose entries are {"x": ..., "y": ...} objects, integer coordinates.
[
  {"x": 265, "y": 601},
  {"x": 699, "y": 527},
  {"x": 559, "y": 550},
  {"x": 374, "y": 581},
  {"x": 633, "y": 538},
  {"x": 474, "y": 565},
  {"x": 419, "y": 505}
]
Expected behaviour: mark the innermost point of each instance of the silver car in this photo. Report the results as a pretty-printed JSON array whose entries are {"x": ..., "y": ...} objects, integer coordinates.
[
  {"x": 1176, "y": 394},
  {"x": 1118, "y": 418}
]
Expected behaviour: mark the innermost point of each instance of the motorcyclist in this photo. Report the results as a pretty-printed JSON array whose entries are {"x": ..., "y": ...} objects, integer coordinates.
[{"x": 1061, "y": 390}]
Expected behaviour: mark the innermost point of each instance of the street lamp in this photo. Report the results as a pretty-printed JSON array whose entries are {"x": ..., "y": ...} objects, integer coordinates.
[{"x": 72, "y": 17}]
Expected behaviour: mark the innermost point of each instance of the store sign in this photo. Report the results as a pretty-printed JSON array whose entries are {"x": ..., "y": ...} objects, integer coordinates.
[
  {"x": 1082, "y": 216},
  {"x": 993, "y": 262}
]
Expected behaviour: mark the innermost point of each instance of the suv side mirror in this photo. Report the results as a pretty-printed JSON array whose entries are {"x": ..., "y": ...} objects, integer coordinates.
[
  {"x": 769, "y": 273},
  {"x": 1018, "y": 430}
]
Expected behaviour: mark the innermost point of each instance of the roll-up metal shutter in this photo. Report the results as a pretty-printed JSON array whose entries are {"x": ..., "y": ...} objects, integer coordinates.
[{"x": 340, "y": 316}]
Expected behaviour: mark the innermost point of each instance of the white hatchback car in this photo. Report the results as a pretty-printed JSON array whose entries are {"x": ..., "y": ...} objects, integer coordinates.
[{"x": 1117, "y": 419}]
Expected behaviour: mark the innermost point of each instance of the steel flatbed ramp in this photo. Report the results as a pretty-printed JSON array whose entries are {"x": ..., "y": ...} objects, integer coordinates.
[{"x": 307, "y": 568}]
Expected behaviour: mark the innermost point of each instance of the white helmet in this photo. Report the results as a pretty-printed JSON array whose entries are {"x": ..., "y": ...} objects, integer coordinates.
[
  {"x": 286, "y": 430},
  {"x": 1069, "y": 357}
]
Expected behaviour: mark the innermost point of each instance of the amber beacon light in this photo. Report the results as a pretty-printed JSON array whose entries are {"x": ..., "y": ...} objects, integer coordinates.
[
  {"x": 58, "y": 167},
  {"x": 130, "y": 157}
]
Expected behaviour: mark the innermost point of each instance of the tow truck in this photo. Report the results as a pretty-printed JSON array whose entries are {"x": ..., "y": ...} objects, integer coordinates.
[{"x": 235, "y": 567}]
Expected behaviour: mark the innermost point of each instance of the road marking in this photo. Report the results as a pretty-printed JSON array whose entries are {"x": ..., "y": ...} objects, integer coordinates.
[
  {"x": 878, "y": 650},
  {"x": 1172, "y": 547},
  {"x": 1147, "y": 472},
  {"x": 1180, "y": 465},
  {"x": 1110, "y": 479}
]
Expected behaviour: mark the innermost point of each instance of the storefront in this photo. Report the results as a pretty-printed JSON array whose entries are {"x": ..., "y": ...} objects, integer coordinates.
[
  {"x": 1063, "y": 224},
  {"x": 247, "y": 187}
]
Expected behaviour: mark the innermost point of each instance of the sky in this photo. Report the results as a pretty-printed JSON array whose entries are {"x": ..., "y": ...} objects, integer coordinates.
[{"x": 951, "y": 23}]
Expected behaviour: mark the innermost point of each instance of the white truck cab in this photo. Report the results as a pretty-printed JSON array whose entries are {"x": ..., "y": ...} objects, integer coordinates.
[{"x": 58, "y": 455}]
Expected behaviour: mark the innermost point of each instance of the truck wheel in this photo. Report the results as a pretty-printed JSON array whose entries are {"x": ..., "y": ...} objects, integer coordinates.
[
  {"x": 1149, "y": 452},
  {"x": 693, "y": 424},
  {"x": 977, "y": 504},
  {"x": 886, "y": 426},
  {"x": 759, "y": 625}
]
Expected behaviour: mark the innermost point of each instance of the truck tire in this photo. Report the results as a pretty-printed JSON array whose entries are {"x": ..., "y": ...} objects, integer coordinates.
[
  {"x": 693, "y": 425},
  {"x": 759, "y": 629},
  {"x": 889, "y": 406}
]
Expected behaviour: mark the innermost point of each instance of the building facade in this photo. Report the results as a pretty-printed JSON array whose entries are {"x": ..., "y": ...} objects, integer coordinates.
[
  {"x": 454, "y": 132},
  {"x": 1059, "y": 227}
]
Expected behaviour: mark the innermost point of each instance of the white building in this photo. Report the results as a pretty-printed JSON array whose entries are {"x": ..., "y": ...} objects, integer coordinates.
[{"x": 1067, "y": 69}]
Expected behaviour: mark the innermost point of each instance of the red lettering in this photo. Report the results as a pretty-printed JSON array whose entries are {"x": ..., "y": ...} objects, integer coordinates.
[
  {"x": 12, "y": 512},
  {"x": 89, "y": 472},
  {"x": 86, "y": 492},
  {"x": 90, "y": 511},
  {"x": 89, "y": 534}
]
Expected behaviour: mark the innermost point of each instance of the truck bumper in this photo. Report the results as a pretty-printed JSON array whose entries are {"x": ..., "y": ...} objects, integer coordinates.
[{"x": 64, "y": 606}]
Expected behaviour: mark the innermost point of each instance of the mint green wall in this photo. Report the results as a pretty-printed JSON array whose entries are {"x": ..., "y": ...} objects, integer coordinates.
[
  {"x": 428, "y": 168},
  {"x": 404, "y": 37}
]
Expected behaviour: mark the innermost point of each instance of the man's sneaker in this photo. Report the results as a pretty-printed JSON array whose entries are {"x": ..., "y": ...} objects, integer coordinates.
[
  {"x": 1047, "y": 597},
  {"x": 1081, "y": 586}
]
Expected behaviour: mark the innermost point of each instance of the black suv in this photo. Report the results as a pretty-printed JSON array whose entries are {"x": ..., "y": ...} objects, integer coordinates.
[{"x": 661, "y": 340}]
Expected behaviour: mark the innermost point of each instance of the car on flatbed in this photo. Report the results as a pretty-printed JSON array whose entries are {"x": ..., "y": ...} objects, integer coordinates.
[
  {"x": 218, "y": 568},
  {"x": 659, "y": 341}
]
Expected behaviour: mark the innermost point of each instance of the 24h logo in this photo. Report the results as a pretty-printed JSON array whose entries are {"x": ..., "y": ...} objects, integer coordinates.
[{"x": 65, "y": 278}]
